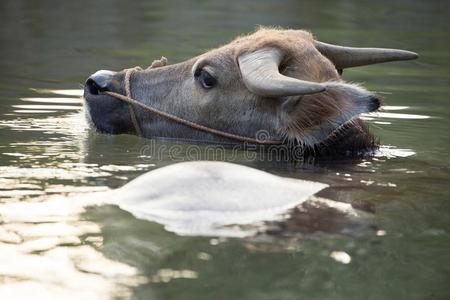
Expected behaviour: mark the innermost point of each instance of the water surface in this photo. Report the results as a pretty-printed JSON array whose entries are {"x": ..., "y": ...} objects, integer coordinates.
[{"x": 48, "y": 48}]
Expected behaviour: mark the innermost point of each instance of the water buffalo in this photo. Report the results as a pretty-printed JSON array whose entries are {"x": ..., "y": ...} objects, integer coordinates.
[{"x": 282, "y": 83}]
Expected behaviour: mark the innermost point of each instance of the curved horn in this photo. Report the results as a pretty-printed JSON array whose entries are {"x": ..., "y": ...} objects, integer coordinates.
[
  {"x": 261, "y": 76},
  {"x": 347, "y": 57}
]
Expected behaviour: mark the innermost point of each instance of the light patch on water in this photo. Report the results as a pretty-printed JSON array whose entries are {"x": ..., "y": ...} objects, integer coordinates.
[
  {"x": 48, "y": 243},
  {"x": 48, "y": 173},
  {"x": 34, "y": 111},
  {"x": 385, "y": 115},
  {"x": 42, "y": 253},
  {"x": 19, "y": 183},
  {"x": 214, "y": 242},
  {"x": 72, "y": 189},
  {"x": 53, "y": 209},
  {"x": 204, "y": 256},
  {"x": 19, "y": 193},
  {"x": 391, "y": 107},
  {"x": 167, "y": 275},
  {"x": 17, "y": 154},
  {"x": 72, "y": 124},
  {"x": 364, "y": 164},
  {"x": 9, "y": 237},
  {"x": 341, "y": 256},
  {"x": 43, "y": 107},
  {"x": 19, "y": 178},
  {"x": 77, "y": 272},
  {"x": 54, "y": 100},
  {"x": 48, "y": 229},
  {"x": 367, "y": 182},
  {"x": 68, "y": 92},
  {"x": 392, "y": 152},
  {"x": 126, "y": 168},
  {"x": 388, "y": 184},
  {"x": 381, "y": 232}
]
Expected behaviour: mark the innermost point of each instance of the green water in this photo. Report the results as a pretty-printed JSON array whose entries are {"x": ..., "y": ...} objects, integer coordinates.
[{"x": 48, "y": 48}]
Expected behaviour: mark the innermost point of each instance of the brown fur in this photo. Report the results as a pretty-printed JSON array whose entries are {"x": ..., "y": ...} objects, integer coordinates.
[{"x": 298, "y": 47}]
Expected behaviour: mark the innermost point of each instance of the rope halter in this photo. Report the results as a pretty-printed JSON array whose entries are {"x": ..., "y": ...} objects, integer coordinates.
[{"x": 132, "y": 103}]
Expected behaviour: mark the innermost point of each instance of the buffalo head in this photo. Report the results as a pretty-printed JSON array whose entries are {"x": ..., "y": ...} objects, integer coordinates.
[{"x": 282, "y": 82}]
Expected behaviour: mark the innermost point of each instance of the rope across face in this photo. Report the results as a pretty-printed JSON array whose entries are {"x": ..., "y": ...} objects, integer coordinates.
[{"x": 132, "y": 102}]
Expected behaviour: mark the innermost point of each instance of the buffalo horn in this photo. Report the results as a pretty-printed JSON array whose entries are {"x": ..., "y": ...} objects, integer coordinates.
[
  {"x": 347, "y": 57},
  {"x": 260, "y": 73}
]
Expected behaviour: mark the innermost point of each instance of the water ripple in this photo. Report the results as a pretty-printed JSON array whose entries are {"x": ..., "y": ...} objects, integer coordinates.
[{"x": 68, "y": 92}]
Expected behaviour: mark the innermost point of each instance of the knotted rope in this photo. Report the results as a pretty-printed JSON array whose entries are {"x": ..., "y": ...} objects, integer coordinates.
[{"x": 132, "y": 102}]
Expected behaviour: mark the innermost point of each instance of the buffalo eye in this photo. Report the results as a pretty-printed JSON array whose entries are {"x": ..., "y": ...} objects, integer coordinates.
[{"x": 206, "y": 80}]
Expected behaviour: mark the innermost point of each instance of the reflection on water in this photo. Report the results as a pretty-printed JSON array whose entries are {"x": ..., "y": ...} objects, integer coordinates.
[
  {"x": 49, "y": 251},
  {"x": 54, "y": 100},
  {"x": 393, "y": 152},
  {"x": 47, "y": 154},
  {"x": 73, "y": 92},
  {"x": 395, "y": 116},
  {"x": 55, "y": 261}
]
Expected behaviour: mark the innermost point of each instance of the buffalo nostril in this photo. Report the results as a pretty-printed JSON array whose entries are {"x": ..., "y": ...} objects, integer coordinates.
[
  {"x": 374, "y": 103},
  {"x": 99, "y": 81},
  {"x": 92, "y": 87}
]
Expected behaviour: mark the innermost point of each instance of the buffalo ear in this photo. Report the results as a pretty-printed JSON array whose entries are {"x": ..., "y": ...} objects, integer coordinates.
[{"x": 260, "y": 73}]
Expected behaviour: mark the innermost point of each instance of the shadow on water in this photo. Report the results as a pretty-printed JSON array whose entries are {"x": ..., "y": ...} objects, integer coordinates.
[{"x": 48, "y": 48}]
